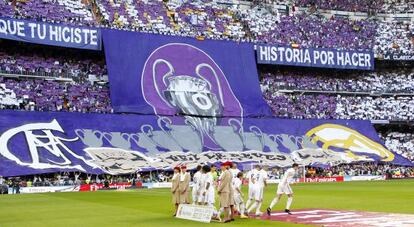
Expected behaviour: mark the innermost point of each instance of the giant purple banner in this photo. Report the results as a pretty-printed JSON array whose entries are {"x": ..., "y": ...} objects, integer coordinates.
[
  {"x": 40, "y": 142},
  {"x": 166, "y": 75}
]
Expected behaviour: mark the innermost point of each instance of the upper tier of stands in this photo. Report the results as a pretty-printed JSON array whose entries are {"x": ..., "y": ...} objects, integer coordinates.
[{"x": 209, "y": 19}]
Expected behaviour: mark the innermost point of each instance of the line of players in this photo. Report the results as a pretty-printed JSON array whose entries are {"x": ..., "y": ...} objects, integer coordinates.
[{"x": 229, "y": 189}]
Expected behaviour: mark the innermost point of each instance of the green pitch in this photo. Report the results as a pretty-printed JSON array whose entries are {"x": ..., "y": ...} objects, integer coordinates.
[{"x": 153, "y": 207}]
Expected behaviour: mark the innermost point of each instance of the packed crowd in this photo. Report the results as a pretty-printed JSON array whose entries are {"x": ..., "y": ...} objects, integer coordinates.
[
  {"x": 382, "y": 81},
  {"x": 361, "y": 169},
  {"x": 42, "y": 79},
  {"x": 394, "y": 38},
  {"x": 207, "y": 18},
  {"x": 32, "y": 60},
  {"x": 400, "y": 142},
  {"x": 62, "y": 11},
  {"x": 309, "y": 30},
  {"x": 322, "y": 106},
  {"x": 379, "y": 6},
  {"x": 50, "y": 95},
  {"x": 318, "y": 94}
]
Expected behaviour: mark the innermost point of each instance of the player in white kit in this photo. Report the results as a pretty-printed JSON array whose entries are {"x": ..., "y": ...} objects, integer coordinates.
[
  {"x": 206, "y": 191},
  {"x": 258, "y": 188},
  {"x": 252, "y": 181},
  {"x": 238, "y": 194},
  {"x": 284, "y": 188},
  {"x": 196, "y": 185},
  {"x": 234, "y": 171}
]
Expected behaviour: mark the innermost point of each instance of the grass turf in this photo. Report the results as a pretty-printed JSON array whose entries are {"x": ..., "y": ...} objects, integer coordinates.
[{"x": 153, "y": 207}]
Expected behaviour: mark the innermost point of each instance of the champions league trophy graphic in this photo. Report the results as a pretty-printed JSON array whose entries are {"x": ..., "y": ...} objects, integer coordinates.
[{"x": 192, "y": 96}]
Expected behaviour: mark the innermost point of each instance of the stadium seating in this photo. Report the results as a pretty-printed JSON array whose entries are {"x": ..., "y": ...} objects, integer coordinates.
[
  {"x": 394, "y": 38},
  {"x": 65, "y": 11},
  {"x": 42, "y": 79},
  {"x": 402, "y": 143},
  {"x": 385, "y": 81},
  {"x": 309, "y": 31},
  {"x": 206, "y": 19},
  {"x": 148, "y": 16},
  {"x": 336, "y": 97},
  {"x": 48, "y": 62},
  {"x": 48, "y": 95},
  {"x": 380, "y": 6},
  {"x": 212, "y": 20},
  {"x": 6, "y": 9}
]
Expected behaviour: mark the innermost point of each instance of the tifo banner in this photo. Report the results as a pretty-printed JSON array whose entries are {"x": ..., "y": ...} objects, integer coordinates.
[
  {"x": 318, "y": 57},
  {"x": 40, "y": 142},
  {"x": 50, "y": 33},
  {"x": 166, "y": 75}
]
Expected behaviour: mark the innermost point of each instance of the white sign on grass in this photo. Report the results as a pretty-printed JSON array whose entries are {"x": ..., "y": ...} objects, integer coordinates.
[{"x": 195, "y": 213}]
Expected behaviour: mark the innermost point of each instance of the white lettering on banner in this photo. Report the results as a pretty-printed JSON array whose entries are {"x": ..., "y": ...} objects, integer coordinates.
[
  {"x": 195, "y": 213},
  {"x": 307, "y": 58},
  {"x": 51, "y": 32},
  {"x": 316, "y": 56},
  {"x": 41, "y": 31},
  {"x": 331, "y": 58},
  {"x": 65, "y": 35},
  {"x": 367, "y": 60},
  {"x": 263, "y": 53},
  {"x": 32, "y": 27},
  {"x": 85, "y": 33},
  {"x": 12, "y": 27},
  {"x": 296, "y": 55},
  {"x": 44, "y": 141},
  {"x": 54, "y": 33},
  {"x": 94, "y": 37},
  {"x": 78, "y": 38},
  {"x": 273, "y": 54},
  {"x": 289, "y": 55},
  {"x": 354, "y": 59},
  {"x": 282, "y": 52},
  {"x": 347, "y": 59}
]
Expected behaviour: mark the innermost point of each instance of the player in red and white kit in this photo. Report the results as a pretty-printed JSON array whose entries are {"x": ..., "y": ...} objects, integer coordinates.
[{"x": 284, "y": 188}]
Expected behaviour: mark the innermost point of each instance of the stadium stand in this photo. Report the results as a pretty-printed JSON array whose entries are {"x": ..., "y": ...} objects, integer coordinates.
[
  {"x": 217, "y": 21},
  {"x": 6, "y": 9},
  {"x": 49, "y": 95},
  {"x": 394, "y": 37},
  {"x": 42, "y": 79},
  {"x": 383, "y": 81},
  {"x": 382, "y": 6},
  {"x": 400, "y": 142},
  {"x": 64, "y": 11},
  {"x": 303, "y": 94}
]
